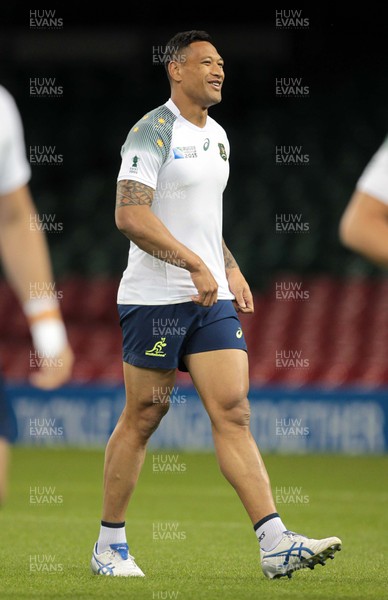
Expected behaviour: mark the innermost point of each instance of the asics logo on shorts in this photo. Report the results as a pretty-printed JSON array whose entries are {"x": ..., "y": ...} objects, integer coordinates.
[
  {"x": 239, "y": 333},
  {"x": 157, "y": 350}
]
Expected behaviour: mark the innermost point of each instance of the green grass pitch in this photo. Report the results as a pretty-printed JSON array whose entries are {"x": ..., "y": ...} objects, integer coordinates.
[{"x": 188, "y": 530}]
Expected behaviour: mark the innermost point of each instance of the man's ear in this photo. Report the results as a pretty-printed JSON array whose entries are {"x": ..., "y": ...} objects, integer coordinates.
[{"x": 174, "y": 70}]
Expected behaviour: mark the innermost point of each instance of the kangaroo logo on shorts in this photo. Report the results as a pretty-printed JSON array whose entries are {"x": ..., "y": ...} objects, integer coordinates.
[{"x": 157, "y": 350}]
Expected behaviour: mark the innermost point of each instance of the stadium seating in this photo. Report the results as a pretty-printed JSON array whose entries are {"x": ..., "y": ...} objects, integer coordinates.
[{"x": 334, "y": 333}]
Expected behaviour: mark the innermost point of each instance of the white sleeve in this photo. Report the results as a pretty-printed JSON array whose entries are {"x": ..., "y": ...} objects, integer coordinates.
[
  {"x": 142, "y": 155},
  {"x": 15, "y": 170},
  {"x": 374, "y": 179}
]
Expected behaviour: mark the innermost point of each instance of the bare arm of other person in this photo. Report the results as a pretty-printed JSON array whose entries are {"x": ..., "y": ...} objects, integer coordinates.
[
  {"x": 364, "y": 227},
  {"x": 26, "y": 261}
]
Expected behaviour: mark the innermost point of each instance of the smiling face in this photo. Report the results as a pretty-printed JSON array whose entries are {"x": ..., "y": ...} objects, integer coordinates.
[{"x": 199, "y": 73}]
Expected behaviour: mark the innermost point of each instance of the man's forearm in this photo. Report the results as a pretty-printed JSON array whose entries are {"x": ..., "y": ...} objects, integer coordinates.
[
  {"x": 23, "y": 249},
  {"x": 152, "y": 236},
  {"x": 229, "y": 260},
  {"x": 135, "y": 219}
]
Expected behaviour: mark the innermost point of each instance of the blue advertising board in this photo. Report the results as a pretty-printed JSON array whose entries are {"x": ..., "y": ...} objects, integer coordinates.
[{"x": 283, "y": 420}]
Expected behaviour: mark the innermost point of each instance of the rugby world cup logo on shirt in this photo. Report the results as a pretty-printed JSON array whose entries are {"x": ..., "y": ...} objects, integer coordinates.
[{"x": 134, "y": 166}]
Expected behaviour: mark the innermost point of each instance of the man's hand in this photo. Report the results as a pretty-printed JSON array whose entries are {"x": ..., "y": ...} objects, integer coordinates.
[
  {"x": 240, "y": 289},
  {"x": 54, "y": 372},
  {"x": 206, "y": 285}
]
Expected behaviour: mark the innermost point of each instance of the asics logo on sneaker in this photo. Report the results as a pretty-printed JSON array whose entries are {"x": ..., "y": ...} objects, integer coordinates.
[
  {"x": 122, "y": 549},
  {"x": 292, "y": 551}
]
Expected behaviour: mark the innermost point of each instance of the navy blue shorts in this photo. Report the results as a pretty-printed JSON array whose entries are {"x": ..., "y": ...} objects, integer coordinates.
[
  {"x": 8, "y": 424},
  {"x": 158, "y": 337}
]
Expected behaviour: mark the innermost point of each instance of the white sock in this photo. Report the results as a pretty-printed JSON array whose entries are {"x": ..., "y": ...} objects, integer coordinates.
[
  {"x": 110, "y": 533},
  {"x": 270, "y": 531}
]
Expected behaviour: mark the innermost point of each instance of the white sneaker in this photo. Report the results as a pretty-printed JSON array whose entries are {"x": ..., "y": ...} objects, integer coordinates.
[
  {"x": 296, "y": 552},
  {"x": 116, "y": 561}
]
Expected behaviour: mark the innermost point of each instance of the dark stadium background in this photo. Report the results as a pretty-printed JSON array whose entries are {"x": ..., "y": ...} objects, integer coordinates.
[
  {"x": 104, "y": 62},
  {"x": 103, "y": 59}
]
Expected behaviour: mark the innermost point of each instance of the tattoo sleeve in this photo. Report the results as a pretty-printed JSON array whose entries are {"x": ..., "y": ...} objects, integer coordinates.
[
  {"x": 229, "y": 260},
  {"x": 132, "y": 193}
]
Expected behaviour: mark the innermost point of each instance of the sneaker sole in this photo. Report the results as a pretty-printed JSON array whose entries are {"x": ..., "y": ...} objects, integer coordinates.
[{"x": 317, "y": 559}]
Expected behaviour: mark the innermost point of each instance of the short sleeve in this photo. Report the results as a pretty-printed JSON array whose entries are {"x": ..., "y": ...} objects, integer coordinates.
[
  {"x": 374, "y": 179},
  {"x": 15, "y": 170},
  {"x": 147, "y": 146}
]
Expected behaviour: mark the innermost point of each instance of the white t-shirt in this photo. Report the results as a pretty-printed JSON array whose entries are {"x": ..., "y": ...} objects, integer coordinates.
[
  {"x": 188, "y": 168},
  {"x": 374, "y": 179},
  {"x": 15, "y": 170}
]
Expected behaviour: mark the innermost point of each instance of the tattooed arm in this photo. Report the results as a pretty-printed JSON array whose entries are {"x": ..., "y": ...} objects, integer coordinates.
[
  {"x": 138, "y": 223},
  {"x": 133, "y": 193},
  {"x": 229, "y": 260},
  {"x": 135, "y": 219},
  {"x": 237, "y": 283}
]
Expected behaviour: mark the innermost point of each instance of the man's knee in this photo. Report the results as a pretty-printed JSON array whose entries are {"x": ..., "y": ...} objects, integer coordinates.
[
  {"x": 232, "y": 410},
  {"x": 146, "y": 416}
]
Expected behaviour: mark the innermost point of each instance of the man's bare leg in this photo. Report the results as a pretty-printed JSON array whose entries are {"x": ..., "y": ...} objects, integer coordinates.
[
  {"x": 221, "y": 379},
  {"x": 126, "y": 449},
  {"x": 147, "y": 401}
]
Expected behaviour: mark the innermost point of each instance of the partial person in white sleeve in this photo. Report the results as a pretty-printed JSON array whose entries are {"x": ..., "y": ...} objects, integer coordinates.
[
  {"x": 25, "y": 259},
  {"x": 364, "y": 223}
]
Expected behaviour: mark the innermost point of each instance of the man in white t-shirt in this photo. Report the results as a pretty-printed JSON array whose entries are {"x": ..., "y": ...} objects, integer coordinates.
[
  {"x": 364, "y": 223},
  {"x": 25, "y": 258},
  {"x": 178, "y": 301}
]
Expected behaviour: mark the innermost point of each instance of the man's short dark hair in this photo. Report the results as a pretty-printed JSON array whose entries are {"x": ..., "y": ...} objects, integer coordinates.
[{"x": 181, "y": 40}]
